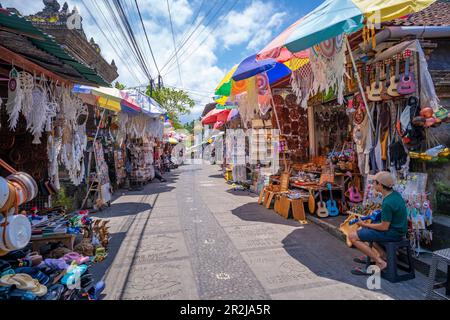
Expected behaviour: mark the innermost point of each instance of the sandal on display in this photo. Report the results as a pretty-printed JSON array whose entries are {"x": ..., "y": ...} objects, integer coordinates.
[
  {"x": 362, "y": 260},
  {"x": 56, "y": 264},
  {"x": 54, "y": 293},
  {"x": 35, "y": 274},
  {"x": 19, "y": 294},
  {"x": 75, "y": 256},
  {"x": 358, "y": 271},
  {"x": 73, "y": 272},
  {"x": 4, "y": 292}
]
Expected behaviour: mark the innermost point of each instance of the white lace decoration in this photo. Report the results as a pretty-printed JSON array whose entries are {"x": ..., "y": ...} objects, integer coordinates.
[
  {"x": 328, "y": 72},
  {"x": 15, "y": 96}
]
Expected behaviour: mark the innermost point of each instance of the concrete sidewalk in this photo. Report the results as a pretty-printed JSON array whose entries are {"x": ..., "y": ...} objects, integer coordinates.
[{"x": 195, "y": 238}]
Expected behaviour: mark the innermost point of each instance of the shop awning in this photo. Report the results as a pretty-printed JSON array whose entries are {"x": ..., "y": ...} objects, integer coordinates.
[
  {"x": 11, "y": 23},
  {"x": 148, "y": 105},
  {"x": 336, "y": 17},
  {"x": 110, "y": 98}
]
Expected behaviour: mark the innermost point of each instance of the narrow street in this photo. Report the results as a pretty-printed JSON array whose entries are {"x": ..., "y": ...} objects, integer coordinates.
[{"x": 195, "y": 238}]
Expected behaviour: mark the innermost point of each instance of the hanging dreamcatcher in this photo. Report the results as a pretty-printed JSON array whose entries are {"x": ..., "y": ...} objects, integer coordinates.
[
  {"x": 15, "y": 96},
  {"x": 327, "y": 61}
]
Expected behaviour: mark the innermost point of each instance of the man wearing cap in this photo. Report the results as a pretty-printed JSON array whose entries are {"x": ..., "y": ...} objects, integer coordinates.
[{"x": 393, "y": 226}]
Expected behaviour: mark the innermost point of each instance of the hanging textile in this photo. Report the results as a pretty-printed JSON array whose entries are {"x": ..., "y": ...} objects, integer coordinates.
[
  {"x": 301, "y": 82},
  {"x": 328, "y": 67},
  {"x": 264, "y": 93}
]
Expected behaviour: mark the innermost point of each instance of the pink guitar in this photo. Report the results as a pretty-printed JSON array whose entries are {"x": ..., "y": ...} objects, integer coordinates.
[
  {"x": 354, "y": 195},
  {"x": 407, "y": 83}
]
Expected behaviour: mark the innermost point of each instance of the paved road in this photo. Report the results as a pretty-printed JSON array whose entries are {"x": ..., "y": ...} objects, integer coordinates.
[{"x": 194, "y": 238}]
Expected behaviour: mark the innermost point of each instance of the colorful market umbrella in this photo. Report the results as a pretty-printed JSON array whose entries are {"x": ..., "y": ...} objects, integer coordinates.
[
  {"x": 250, "y": 67},
  {"x": 148, "y": 105},
  {"x": 335, "y": 17},
  {"x": 233, "y": 115},
  {"x": 226, "y": 89},
  {"x": 215, "y": 115},
  {"x": 110, "y": 98}
]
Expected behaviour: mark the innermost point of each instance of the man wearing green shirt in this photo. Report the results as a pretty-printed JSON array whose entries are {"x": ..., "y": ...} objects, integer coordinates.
[{"x": 393, "y": 226}]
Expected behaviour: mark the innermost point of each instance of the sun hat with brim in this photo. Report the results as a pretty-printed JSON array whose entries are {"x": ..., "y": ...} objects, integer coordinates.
[
  {"x": 35, "y": 274},
  {"x": 24, "y": 281},
  {"x": 15, "y": 232},
  {"x": 4, "y": 191},
  {"x": 385, "y": 178}
]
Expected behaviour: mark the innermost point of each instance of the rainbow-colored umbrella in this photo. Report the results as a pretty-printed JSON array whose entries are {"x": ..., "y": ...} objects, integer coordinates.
[
  {"x": 336, "y": 17},
  {"x": 109, "y": 98}
]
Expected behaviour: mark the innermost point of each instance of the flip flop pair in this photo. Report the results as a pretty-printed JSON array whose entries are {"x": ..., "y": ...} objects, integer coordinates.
[
  {"x": 75, "y": 256},
  {"x": 74, "y": 271},
  {"x": 54, "y": 293},
  {"x": 35, "y": 273}
]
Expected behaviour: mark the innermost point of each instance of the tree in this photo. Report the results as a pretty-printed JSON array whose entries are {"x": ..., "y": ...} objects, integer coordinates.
[
  {"x": 119, "y": 86},
  {"x": 175, "y": 102},
  {"x": 190, "y": 126}
]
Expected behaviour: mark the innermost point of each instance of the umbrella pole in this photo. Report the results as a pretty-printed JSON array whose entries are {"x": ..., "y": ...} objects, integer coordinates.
[
  {"x": 358, "y": 79},
  {"x": 278, "y": 123}
]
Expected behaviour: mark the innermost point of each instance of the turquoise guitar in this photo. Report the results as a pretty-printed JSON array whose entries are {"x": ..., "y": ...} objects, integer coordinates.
[{"x": 332, "y": 208}]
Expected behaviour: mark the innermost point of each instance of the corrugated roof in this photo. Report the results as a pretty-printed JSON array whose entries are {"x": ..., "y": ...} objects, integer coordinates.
[
  {"x": 437, "y": 14},
  {"x": 46, "y": 43}
]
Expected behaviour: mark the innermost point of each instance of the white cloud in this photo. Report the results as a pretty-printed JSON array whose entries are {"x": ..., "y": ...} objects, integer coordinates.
[
  {"x": 251, "y": 27},
  {"x": 254, "y": 25}
]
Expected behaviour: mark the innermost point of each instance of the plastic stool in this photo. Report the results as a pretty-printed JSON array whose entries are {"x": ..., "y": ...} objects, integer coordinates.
[
  {"x": 391, "y": 272},
  {"x": 439, "y": 256}
]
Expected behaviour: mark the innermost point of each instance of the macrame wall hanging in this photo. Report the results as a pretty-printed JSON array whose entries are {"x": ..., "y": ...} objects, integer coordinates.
[
  {"x": 325, "y": 72},
  {"x": 301, "y": 82}
]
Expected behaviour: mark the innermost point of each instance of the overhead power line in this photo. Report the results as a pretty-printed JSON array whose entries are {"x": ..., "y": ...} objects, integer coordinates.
[
  {"x": 174, "y": 44},
  {"x": 146, "y": 36}
]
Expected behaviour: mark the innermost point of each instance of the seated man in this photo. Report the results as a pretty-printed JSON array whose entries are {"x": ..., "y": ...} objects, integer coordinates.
[{"x": 393, "y": 226}]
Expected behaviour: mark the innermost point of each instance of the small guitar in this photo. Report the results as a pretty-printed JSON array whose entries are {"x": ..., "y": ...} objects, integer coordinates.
[
  {"x": 395, "y": 79},
  {"x": 354, "y": 195},
  {"x": 376, "y": 87},
  {"x": 407, "y": 83},
  {"x": 332, "y": 208},
  {"x": 322, "y": 211}
]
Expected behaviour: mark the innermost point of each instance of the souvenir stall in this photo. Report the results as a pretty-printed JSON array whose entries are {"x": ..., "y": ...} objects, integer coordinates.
[
  {"x": 139, "y": 134},
  {"x": 43, "y": 250},
  {"x": 366, "y": 109}
]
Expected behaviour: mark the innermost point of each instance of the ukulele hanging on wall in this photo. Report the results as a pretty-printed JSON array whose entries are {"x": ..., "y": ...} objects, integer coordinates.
[
  {"x": 407, "y": 83},
  {"x": 395, "y": 79},
  {"x": 376, "y": 87}
]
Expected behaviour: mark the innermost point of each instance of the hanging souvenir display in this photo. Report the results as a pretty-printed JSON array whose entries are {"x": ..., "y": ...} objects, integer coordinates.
[
  {"x": 328, "y": 61},
  {"x": 15, "y": 96}
]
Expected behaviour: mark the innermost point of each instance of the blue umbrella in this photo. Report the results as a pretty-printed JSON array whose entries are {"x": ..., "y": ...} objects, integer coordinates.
[
  {"x": 278, "y": 72},
  {"x": 251, "y": 67}
]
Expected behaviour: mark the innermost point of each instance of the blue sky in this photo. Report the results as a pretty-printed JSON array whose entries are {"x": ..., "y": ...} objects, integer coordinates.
[{"x": 235, "y": 33}]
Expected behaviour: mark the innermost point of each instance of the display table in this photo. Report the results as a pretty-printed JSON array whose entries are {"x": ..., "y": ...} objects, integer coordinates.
[{"x": 67, "y": 239}]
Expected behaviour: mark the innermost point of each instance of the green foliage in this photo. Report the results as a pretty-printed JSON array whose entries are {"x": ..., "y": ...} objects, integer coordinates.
[
  {"x": 190, "y": 126},
  {"x": 442, "y": 187},
  {"x": 120, "y": 86},
  {"x": 175, "y": 102},
  {"x": 62, "y": 200}
]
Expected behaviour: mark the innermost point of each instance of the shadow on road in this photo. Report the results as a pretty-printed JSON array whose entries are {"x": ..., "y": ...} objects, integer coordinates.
[
  {"x": 99, "y": 269},
  {"x": 242, "y": 193},
  {"x": 329, "y": 258},
  {"x": 257, "y": 213},
  {"x": 217, "y": 176}
]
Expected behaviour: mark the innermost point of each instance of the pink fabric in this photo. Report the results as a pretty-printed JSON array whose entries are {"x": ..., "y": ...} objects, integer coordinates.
[{"x": 276, "y": 50}]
